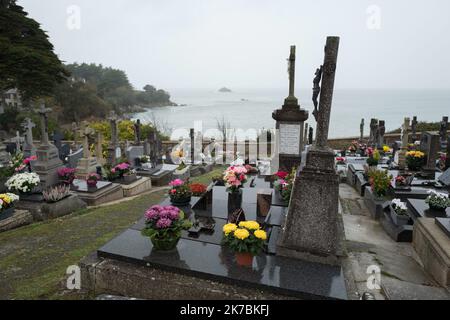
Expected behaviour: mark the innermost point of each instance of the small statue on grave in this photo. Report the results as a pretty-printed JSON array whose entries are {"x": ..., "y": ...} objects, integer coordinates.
[{"x": 316, "y": 91}]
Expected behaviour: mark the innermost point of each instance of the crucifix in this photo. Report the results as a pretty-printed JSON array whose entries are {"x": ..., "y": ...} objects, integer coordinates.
[
  {"x": 291, "y": 99},
  {"x": 43, "y": 111},
  {"x": 316, "y": 91}
]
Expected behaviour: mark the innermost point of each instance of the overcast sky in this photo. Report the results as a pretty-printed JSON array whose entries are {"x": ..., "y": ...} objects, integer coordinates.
[{"x": 245, "y": 43}]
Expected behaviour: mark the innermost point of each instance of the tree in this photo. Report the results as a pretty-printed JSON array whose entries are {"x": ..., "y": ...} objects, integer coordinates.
[{"x": 27, "y": 59}]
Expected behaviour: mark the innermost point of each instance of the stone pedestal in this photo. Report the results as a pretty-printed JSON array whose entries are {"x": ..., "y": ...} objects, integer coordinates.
[
  {"x": 312, "y": 230},
  {"x": 139, "y": 186},
  {"x": 433, "y": 247},
  {"x": 47, "y": 165},
  {"x": 85, "y": 167}
]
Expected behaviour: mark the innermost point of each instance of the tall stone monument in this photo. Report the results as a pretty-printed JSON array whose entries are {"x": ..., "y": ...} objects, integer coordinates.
[
  {"x": 310, "y": 136},
  {"x": 413, "y": 137},
  {"x": 361, "y": 130},
  {"x": 312, "y": 229},
  {"x": 443, "y": 131},
  {"x": 99, "y": 149},
  {"x": 289, "y": 124},
  {"x": 137, "y": 133},
  {"x": 405, "y": 141},
  {"x": 87, "y": 164},
  {"x": 29, "y": 148},
  {"x": 113, "y": 153},
  {"x": 381, "y": 130},
  {"x": 48, "y": 162},
  {"x": 373, "y": 132}
]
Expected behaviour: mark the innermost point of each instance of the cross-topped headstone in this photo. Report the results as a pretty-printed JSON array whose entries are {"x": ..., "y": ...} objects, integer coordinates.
[
  {"x": 414, "y": 129},
  {"x": 291, "y": 99},
  {"x": 86, "y": 133},
  {"x": 43, "y": 113},
  {"x": 405, "y": 141}
]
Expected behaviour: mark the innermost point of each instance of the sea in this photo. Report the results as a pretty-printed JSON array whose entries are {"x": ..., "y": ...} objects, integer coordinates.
[{"x": 248, "y": 109}]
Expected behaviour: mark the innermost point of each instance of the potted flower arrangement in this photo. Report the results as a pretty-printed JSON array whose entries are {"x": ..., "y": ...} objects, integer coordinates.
[
  {"x": 66, "y": 175},
  {"x": 23, "y": 183},
  {"x": 92, "y": 180},
  {"x": 379, "y": 180},
  {"x": 56, "y": 193},
  {"x": 163, "y": 225},
  {"x": 180, "y": 193},
  {"x": 124, "y": 172},
  {"x": 246, "y": 240},
  {"x": 198, "y": 189},
  {"x": 251, "y": 169},
  {"x": 7, "y": 205},
  {"x": 340, "y": 160},
  {"x": 398, "y": 212},
  {"x": 284, "y": 183},
  {"x": 415, "y": 160},
  {"x": 234, "y": 178},
  {"x": 438, "y": 201},
  {"x": 373, "y": 157}
]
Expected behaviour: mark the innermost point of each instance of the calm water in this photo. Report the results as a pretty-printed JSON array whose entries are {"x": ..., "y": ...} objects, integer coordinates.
[{"x": 253, "y": 108}]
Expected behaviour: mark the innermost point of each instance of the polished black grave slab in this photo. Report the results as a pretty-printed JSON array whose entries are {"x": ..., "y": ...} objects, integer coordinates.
[
  {"x": 444, "y": 224},
  {"x": 419, "y": 209},
  {"x": 210, "y": 261},
  {"x": 81, "y": 186}
]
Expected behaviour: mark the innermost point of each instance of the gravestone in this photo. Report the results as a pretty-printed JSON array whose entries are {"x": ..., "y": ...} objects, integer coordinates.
[
  {"x": 113, "y": 147},
  {"x": 361, "y": 130},
  {"x": 87, "y": 164},
  {"x": 4, "y": 155},
  {"x": 57, "y": 141},
  {"x": 443, "y": 132},
  {"x": 18, "y": 141},
  {"x": 29, "y": 149},
  {"x": 312, "y": 229},
  {"x": 430, "y": 145},
  {"x": 381, "y": 130},
  {"x": 447, "y": 159},
  {"x": 445, "y": 178},
  {"x": 305, "y": 136},
  {"x": 289, "y": 124},
  {"x": 133, "y": 153},
  {"x": 413, "y": 130},
  {"x": 373, "y": 132},
  {"x": 310, "y": 135},
  {"x": 74, "y": 157},
  {"x": 137, "y": 133},
  {"x": 48, "y": 162},
  {"x": 405, "y": 140},
  {"x": 99, "y": 149}
]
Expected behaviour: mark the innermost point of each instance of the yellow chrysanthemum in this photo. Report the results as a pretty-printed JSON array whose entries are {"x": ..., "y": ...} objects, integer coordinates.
[
  {"x": 386, "y": 149},
  {"x": 241, "y": 234},
  {"x": 261, "y": 234},
  {"x": 250, "y": 225},
  {"x": 230, "y": 227}
]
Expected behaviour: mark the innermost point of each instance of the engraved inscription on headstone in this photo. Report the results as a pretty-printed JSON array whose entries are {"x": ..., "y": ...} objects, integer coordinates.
[{"x": 289, "y": 139}]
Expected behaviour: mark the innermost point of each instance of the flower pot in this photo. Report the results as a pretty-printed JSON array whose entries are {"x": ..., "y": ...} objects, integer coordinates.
[
  {"x": 91, "y": 183},
  {"x": 234, "y": 200},
  {"x": 244, "y": 259},
  {"x": 399, "y": 220},
  {"x": 180, "y": 201},
  {"x": 436, "y": 208},
  {"x": 129, "y": 178},
  {"x": 5, "y": 214},
  {"x": 165, "y": 244}
]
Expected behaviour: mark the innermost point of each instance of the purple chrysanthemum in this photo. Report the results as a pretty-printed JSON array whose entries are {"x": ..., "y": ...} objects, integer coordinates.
[{"x": 163, "y": 223}]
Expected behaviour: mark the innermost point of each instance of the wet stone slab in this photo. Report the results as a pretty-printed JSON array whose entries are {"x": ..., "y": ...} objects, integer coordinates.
[{"x": 214, "y": 262}]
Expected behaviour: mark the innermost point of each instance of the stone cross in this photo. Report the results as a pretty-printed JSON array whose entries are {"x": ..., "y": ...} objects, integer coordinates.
[
  {"x": 86, "y": 133},
  {"x": 414, "y": 129},
  {"x": 43, "y": 111},
  {"x": 137, "y": 132},
  {"x": 326, "y": 94},
  {"x": 17, "y": 140},
  {"x": 28, "y": 126},
  {"x": 404, "y": 133},
  {"x": 291, "y": 100},
  {"x": 114, "y": 130},
  {"x": 443, "y": 130},
  {"x": 373, "y": 132},
  {"x": 361, "y": 130}
]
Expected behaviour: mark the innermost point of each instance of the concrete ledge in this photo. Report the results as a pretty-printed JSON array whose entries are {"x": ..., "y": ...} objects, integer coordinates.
[
  {"x": 105, "y": 276},
  {"x": 139, "y": 186},
  {"x": 42, "y": 211},
  {"x": 20, "y": 218},
  {"x": 433, "y": 247},
  {"x": 110, "y": 193}
]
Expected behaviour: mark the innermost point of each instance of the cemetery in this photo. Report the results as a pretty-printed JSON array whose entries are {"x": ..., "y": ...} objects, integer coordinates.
[{"x": 173, "y": 220}]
